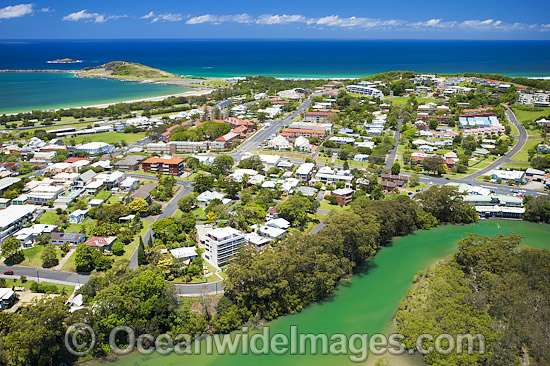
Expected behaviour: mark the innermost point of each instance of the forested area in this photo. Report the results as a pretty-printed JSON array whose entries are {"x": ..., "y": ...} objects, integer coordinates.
[
  {"x": 489, "y": 288},
  {"x": 264, "y": 285}
]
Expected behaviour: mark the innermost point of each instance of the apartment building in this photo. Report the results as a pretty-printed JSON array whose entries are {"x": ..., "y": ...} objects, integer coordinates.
[{"x": 172, "y": 166}]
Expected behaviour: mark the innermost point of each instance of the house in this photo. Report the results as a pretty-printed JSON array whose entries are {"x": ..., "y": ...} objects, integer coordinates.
[
  {"x": 205, "y": 198},
  {"x": 95, "y": 202},
  {"x": 279, "y": 143},
  {"x": 278, "y": 223},
  {"x": 361, "y": 157},
  {"x": 110, "y": 179},
  {"x": 6, "y": 183},
  {"x": 43, "y": 157},
  {"x": 77, "y": 216},
  {"x": 93, "y": 187},
  {"x": 95, "y": 148},
  {"x": 4, "y": 202},
  {"x": 257, "y": 241},
  {"x": 344, "y": 196},
  {"x": 73, "y": 238},
  {"x": 28, "y": 235},
  {"x": 42, "y": 194},
  {"x": 172, "y": 166},
  {"x": 7, "y": 298},
  {"x": 185, "y": 253},
  {"x": 390, "y": 182},
  {"x": 102, "y": 243},
  {"x": 307, "y": 191},
  {"x": 302, "y": 144},
  {"x": 128, "y": 184},
  {"x": 130, "y": 162},
  {"x": 365, "y": 90},
  {"x": 304, "y": 172},
  {"x": 222, "y": 244},
  {"x": 64, "y": 179},
  {"x": 144, "y": 192},
  {"x": 272, "y": 213},
  {"x": 328, "y": 175},
  {"x": 480, "y": 153},
  {"x": 84, "y": 178},
  {"x": 271, "y": 232}
]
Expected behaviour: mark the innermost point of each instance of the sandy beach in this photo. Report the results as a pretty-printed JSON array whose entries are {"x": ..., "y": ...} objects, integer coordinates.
[{"x": 192, "y": 93}]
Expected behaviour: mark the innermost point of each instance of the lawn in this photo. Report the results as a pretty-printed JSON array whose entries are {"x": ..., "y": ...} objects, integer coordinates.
[
  {"x": 199, "y": 213},
  {"x": 327, "y": 206},
  {"x": 27, "y": 284},
  {"x": 403, "y": 100},
  {"x": 523, "y": 155},
  {"x": 49, "y": 218},
  {"x": 517, "y": 165},
  {"x": 529, "y": 116},
  {"x": 103, "y": 195},
  {"x": 109, "y": 137},
  {"x": 32, "y": 256}
]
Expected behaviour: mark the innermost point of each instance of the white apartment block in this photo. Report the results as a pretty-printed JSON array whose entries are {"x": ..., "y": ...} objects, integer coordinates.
[{"x": 222, "y": 244}]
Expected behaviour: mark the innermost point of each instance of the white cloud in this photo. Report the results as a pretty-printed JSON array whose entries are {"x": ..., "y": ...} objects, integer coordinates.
[
  {"x": 280, "y": 19},
  {"x": 16, "y": 11},
  {"x": 148, "y": 16},
  {"x": 217, "y": 19},
  {"x": 354, "y": 22},
  {"x": 91, "y": 17}
]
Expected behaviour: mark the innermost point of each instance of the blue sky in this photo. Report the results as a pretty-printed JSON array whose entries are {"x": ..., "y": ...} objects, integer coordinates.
[{"x": 366, "y": 19}]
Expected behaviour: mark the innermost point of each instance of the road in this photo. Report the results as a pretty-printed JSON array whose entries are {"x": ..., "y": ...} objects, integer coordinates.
[
  {"x": 168, "y": 211},
  {"x": 266, "y": 133},
  {"x": 49, "y": 275},
  {"x": 390, "y": 159}
]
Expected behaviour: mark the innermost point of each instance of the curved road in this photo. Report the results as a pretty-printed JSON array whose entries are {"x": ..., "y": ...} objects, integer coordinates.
[{"x": 521, "y": 140}]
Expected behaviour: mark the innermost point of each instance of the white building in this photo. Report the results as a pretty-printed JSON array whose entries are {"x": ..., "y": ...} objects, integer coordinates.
[
  {"x": 14, "y": 218},
  {"x": 279, "y": 143},
  {"x": 302, "y": 144},
  {"x": 95, "y": 148},
  {"x": 205, "y": 198},
  {"x": 365, "y": 90},
  {"x": 222, "y": 244}
]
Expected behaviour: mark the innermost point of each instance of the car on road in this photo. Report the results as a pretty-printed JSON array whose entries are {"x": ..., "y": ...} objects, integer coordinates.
[
  {"x": 447, "y": 178},
  {"x": 8, "y": 273}
]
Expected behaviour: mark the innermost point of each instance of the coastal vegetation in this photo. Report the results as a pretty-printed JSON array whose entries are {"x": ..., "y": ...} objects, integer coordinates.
[
  {"x": 489, "y": 288},
  {"x": 124, "y": 70}
]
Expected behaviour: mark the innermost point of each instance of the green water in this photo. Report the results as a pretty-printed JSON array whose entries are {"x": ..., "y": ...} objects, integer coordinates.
[
  {"x": 369, "y": 303},
  {"x": 21, "y": 92}
]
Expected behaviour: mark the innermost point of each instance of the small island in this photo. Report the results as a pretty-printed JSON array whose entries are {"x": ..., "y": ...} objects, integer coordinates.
[{"x": 64, "y": 61}]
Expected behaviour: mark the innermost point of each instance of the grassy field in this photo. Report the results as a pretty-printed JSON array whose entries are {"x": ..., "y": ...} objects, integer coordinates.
[
  {"x": 517, "y": 165},
  {"x": 109, "y": 137},
  {"x": 523, "y": 155},
  {"x": 327, "y": 206},
  {"x": 32, "y": 256},
  {"x": 403, "y": 100},
  {"x": 103, "y": 195},
  {"x": 49, "y": 218},
  {"x": 529, "y": 116},
  {"x": 27, "y": 284}
]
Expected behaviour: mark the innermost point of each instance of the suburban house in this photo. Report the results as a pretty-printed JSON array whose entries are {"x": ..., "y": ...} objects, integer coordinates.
[
  {"x": 130, "y": 162},
  {"x": 144, "y": 191},
  {"x": 173, "y": 166},
  {"x": 344, "y": 196},
  {"x": 6, "y": 183},
  {"x": 28, "y": 235},
  {"x": 279, "y": 143},
  {"x": 185, "y": 253},
  {"x": 205, "y": 198},
  {"x": 77, "y": 216},
  {"x": 304, "y": 172},
  {"x": 84, "y": 178},
  {"x": 390, "y": 182},
  {"x": 42, "y": 194},
  {"x": 73, "y": 239},
  {"x": 222, "y": 244},
  {"x": 302, "y": 144},
  {"x": 7, "y": 297},
  {"x": 102, "y": 243}
]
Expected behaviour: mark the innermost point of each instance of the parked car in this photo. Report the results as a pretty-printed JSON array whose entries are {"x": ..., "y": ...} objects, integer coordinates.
[{"x": 8, "y": 273}]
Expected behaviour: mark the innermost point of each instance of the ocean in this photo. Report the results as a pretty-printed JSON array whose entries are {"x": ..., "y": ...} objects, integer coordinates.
[{"x": 228, "y": 58}]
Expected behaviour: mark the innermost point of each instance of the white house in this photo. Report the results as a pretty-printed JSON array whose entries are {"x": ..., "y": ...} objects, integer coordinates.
[
  {"x": 205, "y": 198},
  {"x": 77, "y": 216},
  {"x": 279, "y": 142},
  {"x": 302, "y": 144},
  {"x": 95, "y": 148}
]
